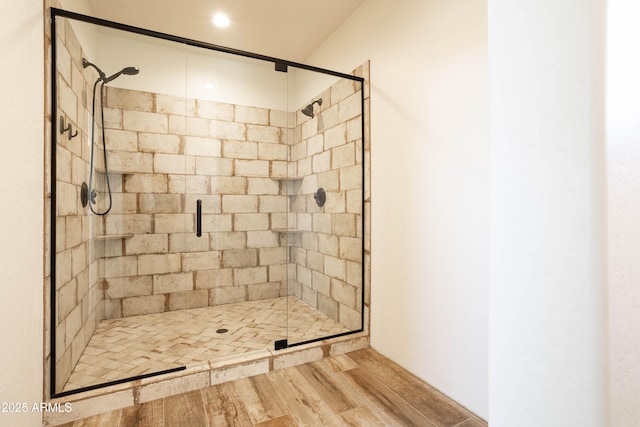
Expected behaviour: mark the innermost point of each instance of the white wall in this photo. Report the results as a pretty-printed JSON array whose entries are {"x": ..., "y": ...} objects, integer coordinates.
[
  {"x": 21, "y": 216},
  {"x": 179, "y": 70},
  {"x": 548, "y": 263},
  {"x": 430, "y": 184},
  {"x": 623, "y": 183},
  {"x": 175, "y": 69}
]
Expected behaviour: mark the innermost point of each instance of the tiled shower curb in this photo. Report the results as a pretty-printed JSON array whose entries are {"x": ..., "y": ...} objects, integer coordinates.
[{"x": 198, "y": 376}]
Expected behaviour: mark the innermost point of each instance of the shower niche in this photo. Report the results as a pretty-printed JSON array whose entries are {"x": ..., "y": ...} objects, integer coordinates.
[{"x": 185, "y": 221}]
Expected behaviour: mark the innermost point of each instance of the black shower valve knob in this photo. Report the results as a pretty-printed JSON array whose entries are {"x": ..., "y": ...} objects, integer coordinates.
[{"x": 320, "y": 196}]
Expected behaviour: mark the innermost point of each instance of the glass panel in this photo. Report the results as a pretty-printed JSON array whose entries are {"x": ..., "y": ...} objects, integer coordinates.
[
  {"x": 119, "y": 202},
  {"x": 325, "y": 211},
  {"x": 235, "y": 137}
]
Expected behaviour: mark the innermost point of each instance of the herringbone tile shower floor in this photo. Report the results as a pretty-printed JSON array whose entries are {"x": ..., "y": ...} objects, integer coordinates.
[{"x": 132, "y": 346}]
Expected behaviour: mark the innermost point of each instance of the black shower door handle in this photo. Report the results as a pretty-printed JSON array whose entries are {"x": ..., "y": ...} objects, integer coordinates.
[{"x": 199, "y": 218}]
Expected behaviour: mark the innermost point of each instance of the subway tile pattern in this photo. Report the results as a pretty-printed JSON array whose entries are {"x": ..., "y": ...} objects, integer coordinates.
[{"x": 137, "y": 345}]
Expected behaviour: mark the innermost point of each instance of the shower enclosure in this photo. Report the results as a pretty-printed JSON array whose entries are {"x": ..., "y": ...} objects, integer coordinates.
[{"x": 205, "y": 203}]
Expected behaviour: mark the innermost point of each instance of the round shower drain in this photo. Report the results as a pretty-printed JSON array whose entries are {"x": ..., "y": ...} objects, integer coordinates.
[{"x": 222, "y": 331}]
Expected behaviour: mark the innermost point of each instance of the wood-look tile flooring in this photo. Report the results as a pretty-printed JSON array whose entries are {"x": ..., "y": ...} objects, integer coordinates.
[
  {"x": 131, "y": 346},
  {"x": 361, "y": 388}
]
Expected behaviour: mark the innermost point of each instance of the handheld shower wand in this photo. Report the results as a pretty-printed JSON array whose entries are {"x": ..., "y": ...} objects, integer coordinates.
[
  {"x": 88, "y": 193},
  {"x": 127, "y": 71}
]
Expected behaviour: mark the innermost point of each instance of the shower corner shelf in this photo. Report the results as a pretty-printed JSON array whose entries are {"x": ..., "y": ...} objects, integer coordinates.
[
  {"x": 287, "y": 178},
  {"x": 111, "y": 171},
  {"x": 286, "y": 231},
  {"x": 113, "y": 236},
  {"x": 289, "y": 185}
]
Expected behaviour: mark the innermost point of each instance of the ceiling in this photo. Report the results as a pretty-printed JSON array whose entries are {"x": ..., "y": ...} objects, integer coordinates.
[{"x": 284, "y": 29}]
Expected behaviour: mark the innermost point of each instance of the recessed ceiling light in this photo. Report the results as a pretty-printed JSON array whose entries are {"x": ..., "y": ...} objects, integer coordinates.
[{"x": 221, "y": 20}]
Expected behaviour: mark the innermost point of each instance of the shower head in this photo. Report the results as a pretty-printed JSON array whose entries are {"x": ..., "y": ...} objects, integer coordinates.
[
  {"x": 129, "y": 71},
  {"x": 308, "y": 110}
]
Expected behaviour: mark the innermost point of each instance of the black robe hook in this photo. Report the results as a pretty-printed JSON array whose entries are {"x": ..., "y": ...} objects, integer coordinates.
[{"x": 69, "y": 129}]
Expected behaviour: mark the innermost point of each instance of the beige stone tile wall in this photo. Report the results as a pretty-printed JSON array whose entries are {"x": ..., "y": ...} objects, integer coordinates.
[
  {"x": 326, "y": 270},
  {"x": 165, "y": 153},
  {"x": 78, "y": 294}
]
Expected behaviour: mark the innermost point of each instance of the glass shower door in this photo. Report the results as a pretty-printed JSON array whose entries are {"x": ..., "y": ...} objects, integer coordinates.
[{"x": 236, "y": 139}]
